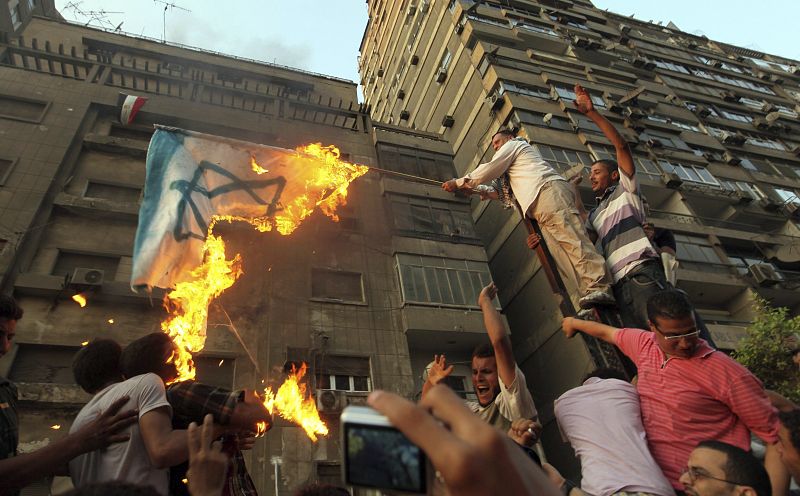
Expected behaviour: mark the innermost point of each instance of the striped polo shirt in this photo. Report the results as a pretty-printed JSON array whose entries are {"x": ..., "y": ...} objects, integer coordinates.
[
  {"x": 617, "y": 222},
  {"x": 688, "y": 400}
]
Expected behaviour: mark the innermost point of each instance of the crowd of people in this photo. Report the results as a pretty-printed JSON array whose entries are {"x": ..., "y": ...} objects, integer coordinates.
[{"x": 684, "y": 426}]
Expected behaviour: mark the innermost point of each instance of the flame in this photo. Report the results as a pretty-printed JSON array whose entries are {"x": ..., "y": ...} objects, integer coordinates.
[
  {"x": 80, "y": 300},
  {"x": 188, "y": 302},
  {"x": 257, "y": 168},
  {"x": 325, "y": 187},
  {"x": 110, "y": 321},
  {"x": 292, "y": 403},
  {"x": 55, "y": 427},
  {"x": 84, "y": 343}
]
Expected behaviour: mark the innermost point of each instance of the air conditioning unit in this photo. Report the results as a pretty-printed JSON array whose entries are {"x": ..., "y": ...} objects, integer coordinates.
[
  {"x": 380, "y": 72},
  {"x": 633, "y": 113},
  {"x": 424, "y": 6},
  {"x": 792, "y": 210},
  {"x": 459, "y": 28},
  {"x": 761, "y": 123},
  {"x": 633, "y": 124},
  {"x": 764, "y": 274},
  {"x": 624, "y": 28},
  {"x": 496, "y": 101},
  {"x": 730, "y": 96},
  {"x": 401, "y": 94},
  {"x": 731, "y": 159},
  {"x": 580, "y": 41},
  {"x": 330, "y": 401},
  {"x": 404, "y": 115},
  {"x": 655, "y": 143},
  {"x": 762, "y": 75},
  {"x": 771, "y": 204},
  {"x": 702, "y": 111},
  {"x": 411, "y": 10},
  {"x": 772, "y": 117},
  {"x": 414, "y": 59},
  {"x": 672, "y": 99},
  {"x": 744, "y": 196},
  {"x": 612, "y": 104},
  {"x": 547, "y": 118},
  {"x": 448, "y": 121},
  {"x": 643, "y": 63},
  {"x": 441, "y": 75},
  {"x": 87, "y": 277},
  {"x": 794, "y": 70},
  {"x": 768, "y": 107},
  {"x": 730, "y": 138},
  {"x": 671, "y": 180}
]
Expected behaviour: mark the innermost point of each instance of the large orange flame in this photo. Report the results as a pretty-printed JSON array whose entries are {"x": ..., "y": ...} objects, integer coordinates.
[
  {"x": 325, "y": 187},
  {"x": 292, "y": 403}
]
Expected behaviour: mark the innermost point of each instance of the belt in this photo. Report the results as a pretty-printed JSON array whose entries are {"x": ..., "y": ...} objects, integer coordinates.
[{"x": 649, "y": 263}]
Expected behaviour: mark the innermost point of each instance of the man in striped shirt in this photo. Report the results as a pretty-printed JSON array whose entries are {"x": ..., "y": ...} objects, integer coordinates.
[
  {"x": 615, "y": 224},
  {"x": 690, "y": 392}
]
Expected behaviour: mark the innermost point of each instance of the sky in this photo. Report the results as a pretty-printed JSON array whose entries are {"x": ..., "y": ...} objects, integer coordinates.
[{"x": 324, "y": 36}]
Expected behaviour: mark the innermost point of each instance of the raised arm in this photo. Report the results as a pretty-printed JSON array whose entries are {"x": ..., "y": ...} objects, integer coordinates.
[
  {"x": 571, "y": 326},
  {"x": 583, "y": 102},
  {"x": 437, "y": 373},
  {"x": 506, "y": 366},
  {"x": 18, "y": 471}
]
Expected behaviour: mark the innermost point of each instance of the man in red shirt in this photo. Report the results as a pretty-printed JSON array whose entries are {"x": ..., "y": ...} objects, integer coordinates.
[{"x": 689, "y": 392}]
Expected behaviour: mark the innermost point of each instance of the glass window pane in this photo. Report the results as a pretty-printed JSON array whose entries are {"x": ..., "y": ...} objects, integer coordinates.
[
  {"x": 342, "y": 382},
  {"x": 455, "y": 285},
  {"x": 444, "y": 286},
  {"x": 360, "y": 383},
  {"x": 433, "y": 287}
]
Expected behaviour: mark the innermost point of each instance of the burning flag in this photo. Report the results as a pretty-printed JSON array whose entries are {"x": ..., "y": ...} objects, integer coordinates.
[{"x": 195, "y": 180}]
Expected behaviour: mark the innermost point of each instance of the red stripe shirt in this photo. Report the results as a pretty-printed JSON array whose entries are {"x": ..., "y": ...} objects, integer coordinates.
[{"x": 688, "y": 400}]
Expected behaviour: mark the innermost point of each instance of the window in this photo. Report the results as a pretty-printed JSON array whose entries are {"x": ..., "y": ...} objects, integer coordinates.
[
  {"x": 416, "y": 162},
  {"x": 748, "y": 189},
  {"x": 13, "y": 7},
  {"x": 336, "y": 285},
  {"x": 215, "y": 371},
  {"x": 68, "y": 261},
  {"x": 788, "y": 196},
  {"x": 444, "y": 63},
  {"x": 686, "y": 126},
  {"x": 663, "y": 64},
  {"x": 524, "y": 90},
  {"x": 667, "y": 139},
  {"x": 441, "y": 280},
  {"x": 22, "y": 109},
  {"x": 38, "y": 363},
  {"x": 343, "y": 373},
  {"x": 101, "y": 190},
  {"x": 697, "y": 253},
  {"x": 487, "y": 20},
  {"x": 416, "y": 215},
  {"x": 735, "y": 116},
  {"x": 689, "y": 173},
  {"x": 743, "y": 259},
  {"x": 535, "y": 28},
  {"x": 568, "y": 94},
  {"x": 562, "y": 158},
  {"x": 521, "y": 117}
]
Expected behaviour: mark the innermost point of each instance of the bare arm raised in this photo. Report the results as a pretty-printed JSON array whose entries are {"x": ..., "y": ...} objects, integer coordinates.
[
  {"x": 571, "y": 326},
  {"x": 506, "y": 366},
  {"x": 583, "y": 102}
]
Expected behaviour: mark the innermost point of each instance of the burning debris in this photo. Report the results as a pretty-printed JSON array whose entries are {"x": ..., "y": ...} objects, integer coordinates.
[{"x": 195, "y": 181}]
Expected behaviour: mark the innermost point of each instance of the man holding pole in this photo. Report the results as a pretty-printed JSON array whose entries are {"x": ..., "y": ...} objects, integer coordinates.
[{"x": 545, "y": 197}]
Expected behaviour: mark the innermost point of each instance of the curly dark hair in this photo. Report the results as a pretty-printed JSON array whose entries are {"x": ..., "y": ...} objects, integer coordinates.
[
  {"x": 97, "y": 364},
  {"x": 9, "y": 308}
]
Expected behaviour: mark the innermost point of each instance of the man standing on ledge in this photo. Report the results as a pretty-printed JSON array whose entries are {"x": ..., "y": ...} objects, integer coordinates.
[{"x": 545, "y": 197}]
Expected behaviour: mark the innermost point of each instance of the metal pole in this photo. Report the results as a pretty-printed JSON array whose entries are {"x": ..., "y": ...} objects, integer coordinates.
[{"x": 406, "y": 176}]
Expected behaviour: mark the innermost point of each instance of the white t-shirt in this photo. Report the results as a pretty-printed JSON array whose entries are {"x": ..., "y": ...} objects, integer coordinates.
[
  {"x": 527, "y": 171},
  {"x": 514, "y": 402},
  {"x": 602, "y": 421},
  {"x": 126, "y": 461}
]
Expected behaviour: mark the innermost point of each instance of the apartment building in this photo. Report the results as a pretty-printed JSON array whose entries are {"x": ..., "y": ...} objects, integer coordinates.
[
  {"x": 365, "y": 301},
  {"x": 713, "y": 127}
]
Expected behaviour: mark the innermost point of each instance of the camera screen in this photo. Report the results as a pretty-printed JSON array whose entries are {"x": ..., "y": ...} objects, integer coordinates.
[{"x": 383, "y": 457}]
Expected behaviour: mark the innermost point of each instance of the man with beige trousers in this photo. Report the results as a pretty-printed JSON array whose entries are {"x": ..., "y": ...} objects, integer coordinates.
[{"x": 546, "y": 197}]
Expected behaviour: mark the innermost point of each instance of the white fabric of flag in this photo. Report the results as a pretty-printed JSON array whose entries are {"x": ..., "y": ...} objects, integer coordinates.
[{"x": 193, "y": 176}]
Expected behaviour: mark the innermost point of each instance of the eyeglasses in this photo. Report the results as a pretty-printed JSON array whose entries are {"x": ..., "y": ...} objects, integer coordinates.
[
  {"x": 676, "y": 337},
  {"x": 695, "y": 474}
]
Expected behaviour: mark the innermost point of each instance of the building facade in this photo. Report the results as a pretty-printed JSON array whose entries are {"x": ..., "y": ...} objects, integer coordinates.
[
  {"x": 365, "y": 301},
  {"x": 714, "y": 130}
]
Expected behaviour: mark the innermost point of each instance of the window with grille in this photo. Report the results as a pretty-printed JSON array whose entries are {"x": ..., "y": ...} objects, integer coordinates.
[
  {"x": 697, "y": 253},
  {"x": 568, "y": 94},
  {"x": 441, "y": 280},
  {"x": 415, "y": 216},
  {"x": 416, "y": 162},
  {"x": 689, "y": 173}
]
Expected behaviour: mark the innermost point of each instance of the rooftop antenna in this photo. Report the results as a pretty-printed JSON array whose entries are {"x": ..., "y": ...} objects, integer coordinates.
[
  {"x": 167, "y": 5},
  {"x": 98, "y": 17}
]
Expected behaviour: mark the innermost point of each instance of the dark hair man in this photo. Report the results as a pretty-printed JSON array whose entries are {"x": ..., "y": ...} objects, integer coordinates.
[
  {"x": 789, "y": 446},
  {"x": 602, "y": 421},
  {"x": 544, "y": 196},
  {"x": 721, "y": 469},
  {"x": 500, "y": 386},
  {"x": 97, "y": 366},
  {"x": 18, "y": 470},
  {"x": 688, "y": 391}
]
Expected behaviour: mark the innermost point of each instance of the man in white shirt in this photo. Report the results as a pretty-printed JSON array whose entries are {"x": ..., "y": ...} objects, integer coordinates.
[
  {"x": 602, "y": 421},
  {"x": 154, "y": 446},
  {"x": 500, "y": 386},
  {"x": 546, "y": 197}
]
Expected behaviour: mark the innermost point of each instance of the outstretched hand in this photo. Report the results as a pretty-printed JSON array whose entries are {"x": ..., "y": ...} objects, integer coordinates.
[
  {"x": 487, "y": 294},
  {"x": 208, "y": 465},
  {"x": 583, "y": 102},
  {"x": 439, "y": 370},
  {"x": 568, "y": 326},
  {"x": 106, "y": 428},
  {"x": 450, "y": 186}
]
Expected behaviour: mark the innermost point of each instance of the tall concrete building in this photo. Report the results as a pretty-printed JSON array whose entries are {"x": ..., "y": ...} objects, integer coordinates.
[
  {"x": 365, "y": 302},
  {"x": 713, "y": 127}
]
